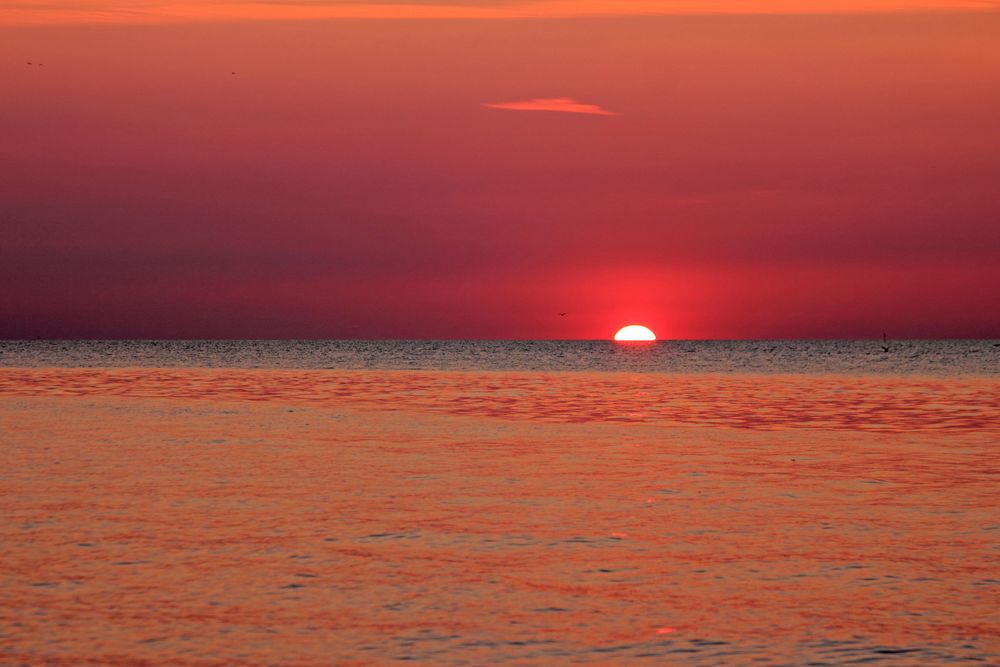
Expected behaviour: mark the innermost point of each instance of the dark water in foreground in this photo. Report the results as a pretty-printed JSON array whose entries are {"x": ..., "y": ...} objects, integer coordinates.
[{"x": 904, "y": 357}]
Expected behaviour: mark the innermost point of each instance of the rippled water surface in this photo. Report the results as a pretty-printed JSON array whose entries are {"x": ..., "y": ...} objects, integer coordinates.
[
  {"x": 189, "y": 515},
  {"x": 920, "y": 357}
]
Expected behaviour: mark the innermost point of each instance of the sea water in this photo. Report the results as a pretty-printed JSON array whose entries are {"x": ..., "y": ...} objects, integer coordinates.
[
  {"x": 895, "y": 357},
  {"x": 767, "y": 503}
]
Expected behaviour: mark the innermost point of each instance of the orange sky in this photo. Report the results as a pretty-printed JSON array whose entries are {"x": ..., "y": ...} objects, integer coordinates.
[{"x": 41, "y": 12}]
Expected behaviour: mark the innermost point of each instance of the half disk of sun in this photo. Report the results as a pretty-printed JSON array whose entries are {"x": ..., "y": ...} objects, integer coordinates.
[{"x": 635, "y": 332}]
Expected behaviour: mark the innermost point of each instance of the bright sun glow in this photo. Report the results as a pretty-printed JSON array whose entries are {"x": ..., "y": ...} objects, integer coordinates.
[{"x": 635, "y": 332}]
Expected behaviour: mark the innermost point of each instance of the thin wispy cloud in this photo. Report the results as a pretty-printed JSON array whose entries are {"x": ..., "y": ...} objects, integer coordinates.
[{"x": 557, "y": 104}]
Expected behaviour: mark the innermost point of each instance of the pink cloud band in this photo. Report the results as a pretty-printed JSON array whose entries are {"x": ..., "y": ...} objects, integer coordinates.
[{"x": 558, "y": 104}]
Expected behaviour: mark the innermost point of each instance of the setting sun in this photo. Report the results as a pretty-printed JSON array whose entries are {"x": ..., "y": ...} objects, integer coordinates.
[{"x": 635, "y": 332}]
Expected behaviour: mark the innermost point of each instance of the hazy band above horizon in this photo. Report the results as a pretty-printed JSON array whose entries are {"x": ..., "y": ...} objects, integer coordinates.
[{"x": 42, "y": 12}]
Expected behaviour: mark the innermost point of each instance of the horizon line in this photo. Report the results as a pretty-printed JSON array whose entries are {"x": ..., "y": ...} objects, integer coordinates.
[{"x": 488, "y": 340}]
